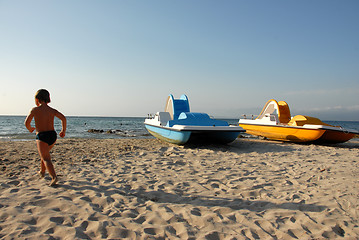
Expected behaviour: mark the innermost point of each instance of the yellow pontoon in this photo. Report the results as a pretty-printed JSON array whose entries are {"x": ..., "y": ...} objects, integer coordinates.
[{"x": 276, "y": 123}]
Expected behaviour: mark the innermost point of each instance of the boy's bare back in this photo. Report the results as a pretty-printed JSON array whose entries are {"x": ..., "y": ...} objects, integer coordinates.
[{"x": 44, "y": 118}]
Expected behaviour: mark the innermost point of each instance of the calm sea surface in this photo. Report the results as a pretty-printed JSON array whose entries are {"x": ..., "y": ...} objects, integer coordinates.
[{"x": 12, "y": 127}]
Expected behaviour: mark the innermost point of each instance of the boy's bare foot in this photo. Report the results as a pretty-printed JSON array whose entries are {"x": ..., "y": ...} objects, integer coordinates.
[
  {"x": 53, "y": 182},
  {"x": 41, "y": 174}
]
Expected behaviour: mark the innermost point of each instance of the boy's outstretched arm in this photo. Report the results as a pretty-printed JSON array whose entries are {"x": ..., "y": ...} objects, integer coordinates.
[
  {"x": 63, "y": 123},
  {"x": 28, "y": 122}
]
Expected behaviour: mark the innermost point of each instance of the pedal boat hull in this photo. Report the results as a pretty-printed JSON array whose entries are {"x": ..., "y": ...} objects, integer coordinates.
[
  {"x": 186, "y": 134},
  {"x": 284, "y": 133}
]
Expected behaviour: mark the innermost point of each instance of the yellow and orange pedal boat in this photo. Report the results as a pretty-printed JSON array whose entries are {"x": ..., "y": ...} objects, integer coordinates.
[{"x": 275, "y": 123}]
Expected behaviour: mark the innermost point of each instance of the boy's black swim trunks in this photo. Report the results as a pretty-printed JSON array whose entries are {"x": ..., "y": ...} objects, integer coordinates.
[{"x": 48, "y": 137}]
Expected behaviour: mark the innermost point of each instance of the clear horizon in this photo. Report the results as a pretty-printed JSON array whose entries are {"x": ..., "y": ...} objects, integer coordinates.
[
  {"x": 123, "y": 58},
  {"x": 218, "y": 117}
]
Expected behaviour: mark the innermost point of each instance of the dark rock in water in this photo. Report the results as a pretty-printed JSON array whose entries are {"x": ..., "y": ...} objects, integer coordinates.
[
  {"x": 114, "y": 131},
  {"x": 95, "y": 131},
  {"x": 107, "y": 131}
]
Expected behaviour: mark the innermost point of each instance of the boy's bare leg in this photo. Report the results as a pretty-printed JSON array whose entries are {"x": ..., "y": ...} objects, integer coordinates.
[
  {"x": 54, "y": 180},
  {"x": 42, "y": 169},
  {"x": 44, "y": 151}
]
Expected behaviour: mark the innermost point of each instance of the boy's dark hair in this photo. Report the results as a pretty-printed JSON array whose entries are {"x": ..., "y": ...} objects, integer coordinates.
[{"x": 43, "y": 95}]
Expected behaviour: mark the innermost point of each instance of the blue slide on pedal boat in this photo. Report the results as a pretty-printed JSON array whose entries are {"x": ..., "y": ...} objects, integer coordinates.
[{"x": 180, "y": 126}]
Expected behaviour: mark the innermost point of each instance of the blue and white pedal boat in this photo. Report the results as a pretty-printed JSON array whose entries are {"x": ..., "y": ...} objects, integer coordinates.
[{"x": 180, "y": 126}]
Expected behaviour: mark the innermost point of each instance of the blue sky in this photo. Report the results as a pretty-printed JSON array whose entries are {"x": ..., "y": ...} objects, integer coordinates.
[{"x": 123, "y": 58}]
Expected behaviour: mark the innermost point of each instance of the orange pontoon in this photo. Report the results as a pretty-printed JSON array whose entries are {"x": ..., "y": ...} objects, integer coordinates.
[{"x": 275, "y": 122}]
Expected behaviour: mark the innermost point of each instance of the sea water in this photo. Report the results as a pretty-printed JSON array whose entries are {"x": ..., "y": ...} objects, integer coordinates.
[{"x": 12, "y": 128}]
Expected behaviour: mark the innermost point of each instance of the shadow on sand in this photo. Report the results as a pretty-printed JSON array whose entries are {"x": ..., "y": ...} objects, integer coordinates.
[
  {"x": 195, "y": 200},
  {"x": 252, "y": 144}
]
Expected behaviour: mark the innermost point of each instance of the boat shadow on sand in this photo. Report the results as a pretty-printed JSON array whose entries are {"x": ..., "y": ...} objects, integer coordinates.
[
  {"x": 246, "y": 145},
  {"x": 110, "y": 192},
  {"x": 233, "y": 203}
]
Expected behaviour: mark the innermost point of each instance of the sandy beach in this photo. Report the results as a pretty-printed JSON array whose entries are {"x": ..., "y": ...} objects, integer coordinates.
[{"x": 147, "y": 189}]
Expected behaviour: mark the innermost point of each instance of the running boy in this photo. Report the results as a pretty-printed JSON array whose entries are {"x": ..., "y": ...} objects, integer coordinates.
[{"x": 45, "y": 131}]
